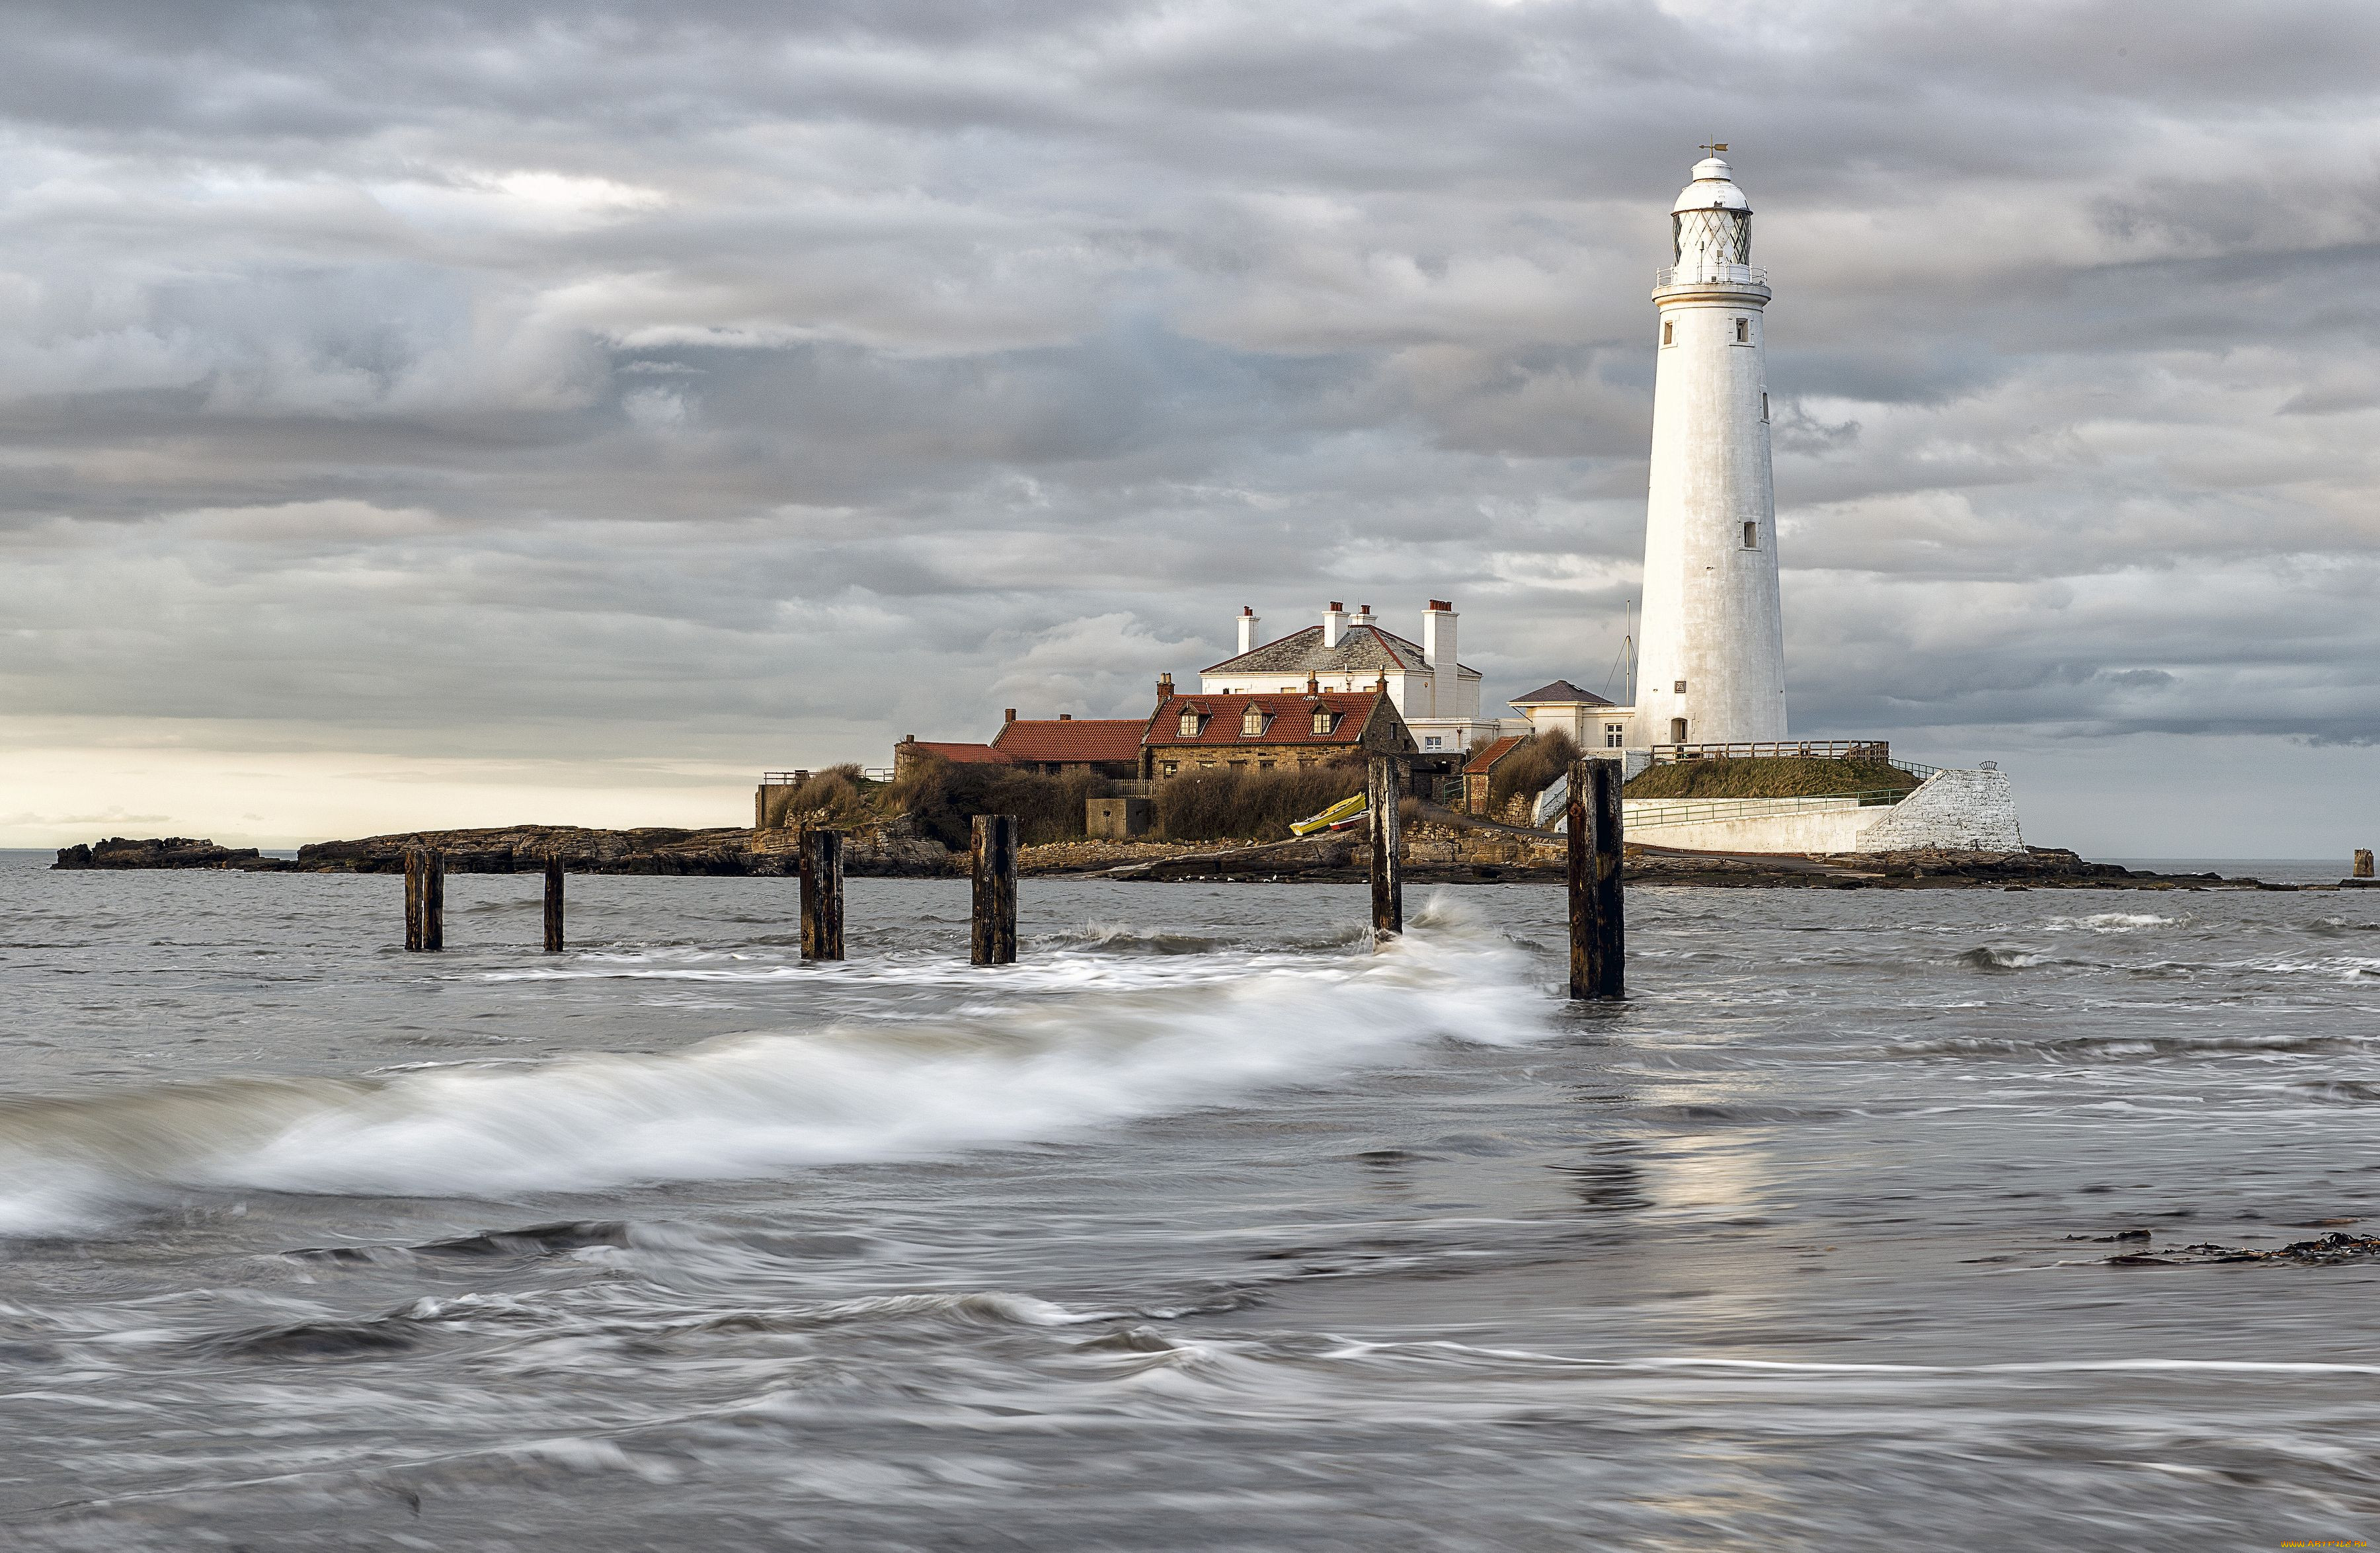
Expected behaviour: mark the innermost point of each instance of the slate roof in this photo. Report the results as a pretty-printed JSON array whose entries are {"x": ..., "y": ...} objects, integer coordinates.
[
  {"x": 1291, "y": 719},
  {"x": 1485, "y": 762},
  {"x": 1563, "y": 690},
  {"x": 1073, "y": 740},
  {"x": 1362, "y": 649}
]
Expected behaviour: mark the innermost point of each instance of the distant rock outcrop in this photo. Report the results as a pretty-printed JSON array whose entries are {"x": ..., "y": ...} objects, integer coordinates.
[
  {"x": 890, "y": 848},
  {"x": 163, "y": 852}
]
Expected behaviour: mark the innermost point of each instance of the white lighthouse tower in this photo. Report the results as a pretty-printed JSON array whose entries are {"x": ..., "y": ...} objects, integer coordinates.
[{"x": 1711, "y": 668}]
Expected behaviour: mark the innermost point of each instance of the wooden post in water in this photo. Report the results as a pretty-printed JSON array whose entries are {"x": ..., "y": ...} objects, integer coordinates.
[
  {"x": 2362, "y": 861},
  {"x": 425, "y": 899},
  {"x": 993, "y": 941},
  {"x": 415, "y": 867},
  {"x": 1598, "y": 933},
  {"x": 553, "y": 905},
  {"x": 1383, "y": 797},
  {"x": 821, "y": 862}
]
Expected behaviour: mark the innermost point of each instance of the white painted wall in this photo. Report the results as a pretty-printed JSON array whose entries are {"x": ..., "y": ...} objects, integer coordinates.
[
  {"x": 1836, "y": 830},
  {"x": 1712, "y": 614},
  {"x": 1959, "y": 810}
]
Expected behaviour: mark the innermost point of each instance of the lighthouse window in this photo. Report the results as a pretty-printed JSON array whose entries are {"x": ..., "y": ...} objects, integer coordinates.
[
  {"x": 1764, "y": 407},
  {"x": 1752, "y": 536},
  {"x": 1743, "y": 331},
  {"x": 1680, "y": 689},
  {"x": 1668, "y": 331}
]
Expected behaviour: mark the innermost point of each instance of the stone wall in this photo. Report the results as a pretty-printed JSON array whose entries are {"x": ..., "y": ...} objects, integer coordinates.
[{"x": 1973, "y": 810}]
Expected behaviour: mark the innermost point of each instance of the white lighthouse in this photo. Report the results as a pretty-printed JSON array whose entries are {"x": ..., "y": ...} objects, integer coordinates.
[{"x": 1711, "y": 666}]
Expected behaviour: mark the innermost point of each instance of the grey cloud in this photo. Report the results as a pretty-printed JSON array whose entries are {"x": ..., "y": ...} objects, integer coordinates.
[{"x": 763, "y": 382}]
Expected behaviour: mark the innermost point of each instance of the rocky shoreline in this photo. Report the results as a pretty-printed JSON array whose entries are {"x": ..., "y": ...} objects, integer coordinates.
[{"x": 1437, "y": 851}]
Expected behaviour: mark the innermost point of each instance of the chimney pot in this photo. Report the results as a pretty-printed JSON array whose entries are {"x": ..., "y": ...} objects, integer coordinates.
[
  {"x": 1065, "y": 717},
  {"x": 1335, "y": 604}
]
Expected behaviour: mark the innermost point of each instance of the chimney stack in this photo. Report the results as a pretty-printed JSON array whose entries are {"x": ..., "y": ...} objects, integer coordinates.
[
  {"x": 1312, "y": 686},
  {"x": 1334, "y": 623},
  {"x": 1247, "y": 629},
  {"x": 1011, "y": 717},
  {"x": 1363, "y": 615},
  {"x": 1164, "y": 690},
  {"x": 1437, "y": 648},
  {"x": 1065, "y": 717}
]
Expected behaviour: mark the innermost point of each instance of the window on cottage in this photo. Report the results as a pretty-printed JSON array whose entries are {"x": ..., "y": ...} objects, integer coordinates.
[
  {"x": 1668, "y": 331},
  {"x": 1190, "y": 720},
  {"x": 1614, "y": 734},
  {"x": 1252, "y": 722},
  {"x": 1431, "y": 743},
  {"x": 1171, "y": 767},
  {"x": 1751, "y": 536},
  {"x": 1743, "y": 331},
  {"x": 1323, "y": 721}
]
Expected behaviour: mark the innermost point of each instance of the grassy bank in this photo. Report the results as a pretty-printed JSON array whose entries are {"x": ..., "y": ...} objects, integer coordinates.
[{"x": 1769, "y": 777}]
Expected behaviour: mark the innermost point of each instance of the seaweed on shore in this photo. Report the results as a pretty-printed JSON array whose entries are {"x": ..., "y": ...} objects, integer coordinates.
[{"x": 2330, "y": 1251}]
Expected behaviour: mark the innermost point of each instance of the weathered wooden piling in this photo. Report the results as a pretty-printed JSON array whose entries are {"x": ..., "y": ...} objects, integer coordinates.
[
  {"x": 1385, "y": 796},
  {"x": 993, "y": 941},
  {"x": 821, "y": 862},
  {"x": 553, "y": 905},
  {"x": 1598, "y": 933},
  {"x": 425, "y": 899},
  {"x": 2362, "y": 861}
]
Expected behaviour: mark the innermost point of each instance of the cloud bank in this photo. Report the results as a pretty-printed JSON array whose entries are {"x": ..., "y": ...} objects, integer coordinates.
[{"x": 456, "y": 396}]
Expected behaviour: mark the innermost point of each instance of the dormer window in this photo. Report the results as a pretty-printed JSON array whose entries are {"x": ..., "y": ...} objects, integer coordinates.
[
  {"x": 1190, "y": 724},
  {"x": 1252, "y": 722},
  {"x": 1324, "y": 719}
]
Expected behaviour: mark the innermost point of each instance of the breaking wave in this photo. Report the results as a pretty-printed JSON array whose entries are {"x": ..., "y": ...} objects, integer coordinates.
[
  {"x": 2108, "y": 922},
  {"x": 1101, "y": 1052}
]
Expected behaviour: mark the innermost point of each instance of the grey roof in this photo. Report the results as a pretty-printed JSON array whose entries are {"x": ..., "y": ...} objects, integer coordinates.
[
  {"x": 1563, "y": 690},
  {"x": 1361, "y": 649}
]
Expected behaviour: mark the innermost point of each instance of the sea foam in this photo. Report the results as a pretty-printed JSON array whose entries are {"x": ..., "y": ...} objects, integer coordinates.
[{"x": 1063, "y": 1061}]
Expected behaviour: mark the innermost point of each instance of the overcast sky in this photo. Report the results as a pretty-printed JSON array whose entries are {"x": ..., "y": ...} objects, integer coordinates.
[{"x": 444, "y": 414}]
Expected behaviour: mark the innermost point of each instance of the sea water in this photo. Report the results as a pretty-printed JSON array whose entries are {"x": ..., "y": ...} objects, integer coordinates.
[{"x": 1202, "y": 1226}]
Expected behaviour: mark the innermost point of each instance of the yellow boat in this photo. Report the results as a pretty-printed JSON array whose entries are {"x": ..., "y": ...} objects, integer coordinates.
[{"x": 1338, "y": 817}]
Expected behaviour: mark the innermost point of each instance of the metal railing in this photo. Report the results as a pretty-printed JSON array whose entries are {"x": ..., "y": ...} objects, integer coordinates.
[
  {"x": 795, "y": 779},
  {"x": 1805, "y": 749},
  {"x": 1705, "y": 811},
  {"x": 1711, "y": 274}
]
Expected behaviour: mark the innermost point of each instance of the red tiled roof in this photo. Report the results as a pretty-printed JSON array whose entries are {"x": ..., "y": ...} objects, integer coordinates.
[
  {"x": 1075, "y": 739},
  {"x": 1290, "y": 718},
  {"x": 1485, "y": 762},
  {"x": 964, "y": 754}
]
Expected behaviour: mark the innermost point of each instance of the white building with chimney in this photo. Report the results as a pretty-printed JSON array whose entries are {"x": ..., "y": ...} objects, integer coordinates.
[{"x": 1437, "y": 694}]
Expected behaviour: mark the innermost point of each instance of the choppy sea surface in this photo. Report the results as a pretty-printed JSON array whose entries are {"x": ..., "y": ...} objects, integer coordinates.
[{"x": 1204, "y": 1226}]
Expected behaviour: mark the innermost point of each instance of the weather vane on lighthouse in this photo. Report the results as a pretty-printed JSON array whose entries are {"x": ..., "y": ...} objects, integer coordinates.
[{"x": 1714, "y": 147}]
